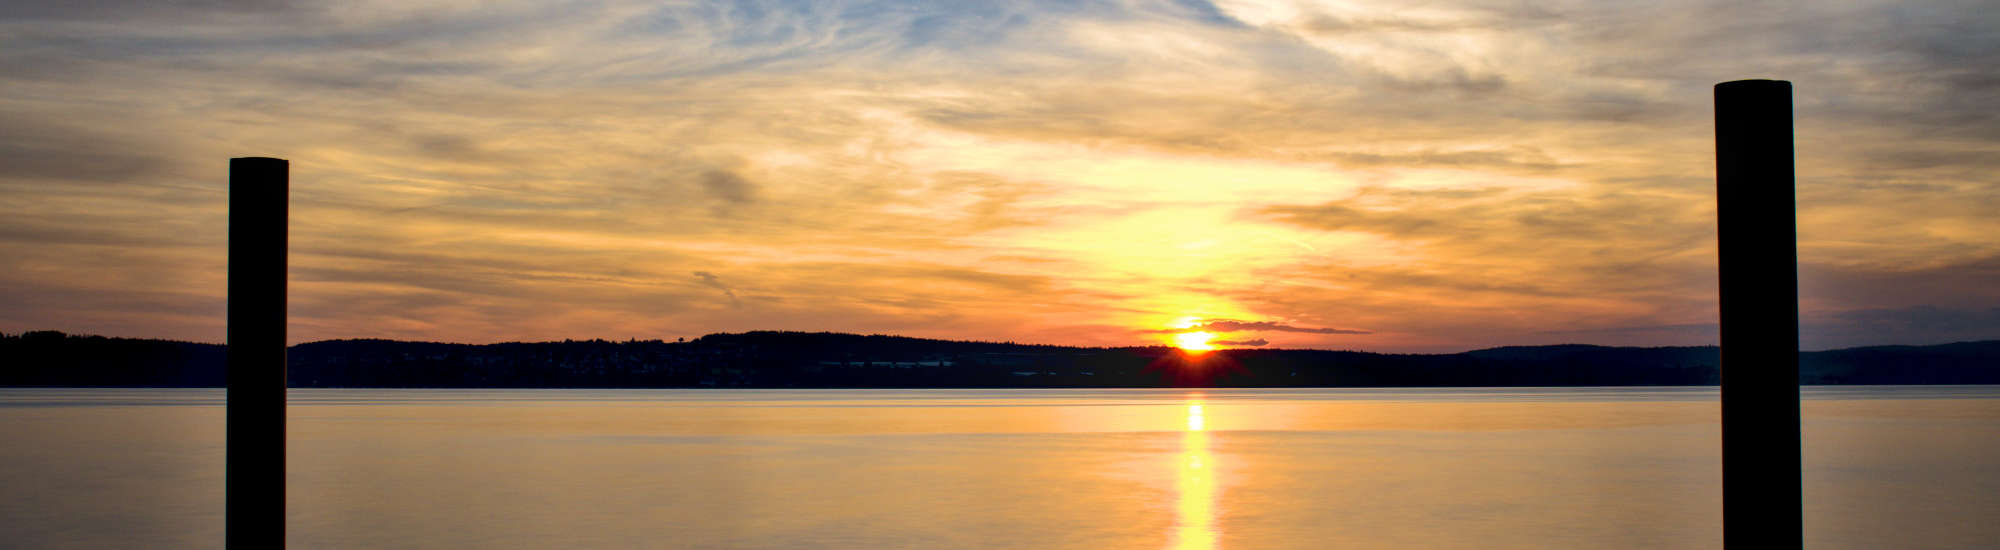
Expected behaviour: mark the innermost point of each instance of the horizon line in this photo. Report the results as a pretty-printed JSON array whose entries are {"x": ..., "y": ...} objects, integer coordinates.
[{"x": 1002, "y": 342}]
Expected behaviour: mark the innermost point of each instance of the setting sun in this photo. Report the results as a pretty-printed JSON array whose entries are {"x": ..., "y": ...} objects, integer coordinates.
[{"x": 1193, "y": 341}]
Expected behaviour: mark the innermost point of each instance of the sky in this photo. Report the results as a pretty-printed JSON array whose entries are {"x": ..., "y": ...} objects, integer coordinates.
[{"x": 1395, "y": 176}]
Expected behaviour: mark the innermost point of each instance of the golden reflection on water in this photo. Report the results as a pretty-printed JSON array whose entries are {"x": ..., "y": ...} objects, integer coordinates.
[{"x": 1196, "y": 519}]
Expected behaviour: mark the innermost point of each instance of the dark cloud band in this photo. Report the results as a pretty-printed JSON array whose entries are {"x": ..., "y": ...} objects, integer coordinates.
[{"x": 1251, "y": 343}]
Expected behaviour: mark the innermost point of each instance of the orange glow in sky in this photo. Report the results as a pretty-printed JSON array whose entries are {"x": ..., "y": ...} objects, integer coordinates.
[{"x": 1435, "y": 180}]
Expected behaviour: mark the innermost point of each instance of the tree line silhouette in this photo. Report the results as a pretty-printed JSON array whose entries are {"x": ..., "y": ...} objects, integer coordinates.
[{"x": 836, "y": 360}]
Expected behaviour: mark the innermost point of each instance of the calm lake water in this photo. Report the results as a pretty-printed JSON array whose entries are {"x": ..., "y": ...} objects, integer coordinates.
[{"x": 1885, "y": 467}]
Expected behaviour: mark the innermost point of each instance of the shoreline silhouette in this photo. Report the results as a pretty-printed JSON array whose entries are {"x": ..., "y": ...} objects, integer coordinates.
[{"x": 769, "y": 359}]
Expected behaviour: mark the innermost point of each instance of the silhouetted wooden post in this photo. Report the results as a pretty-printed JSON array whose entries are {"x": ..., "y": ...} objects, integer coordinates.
[
  {"x": 255, "y": 475},
  {"x": 1757, "y": 238}
]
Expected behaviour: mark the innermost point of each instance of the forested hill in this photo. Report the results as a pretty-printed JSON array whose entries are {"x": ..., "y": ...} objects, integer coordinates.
[{"x": 810, "y": 360}]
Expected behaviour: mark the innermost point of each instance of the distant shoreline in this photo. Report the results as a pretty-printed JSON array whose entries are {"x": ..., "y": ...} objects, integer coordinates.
[{"x": 798, "y": 360}]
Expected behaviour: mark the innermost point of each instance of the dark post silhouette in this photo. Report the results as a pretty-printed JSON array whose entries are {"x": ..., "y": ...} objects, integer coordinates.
[
  {"x": 255, "y": 476},
  {"x": 1757, "y": 239}
]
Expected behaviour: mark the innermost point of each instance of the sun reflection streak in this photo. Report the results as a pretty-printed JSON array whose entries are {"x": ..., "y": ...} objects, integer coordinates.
[{"x": 1196, "y": 518}]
